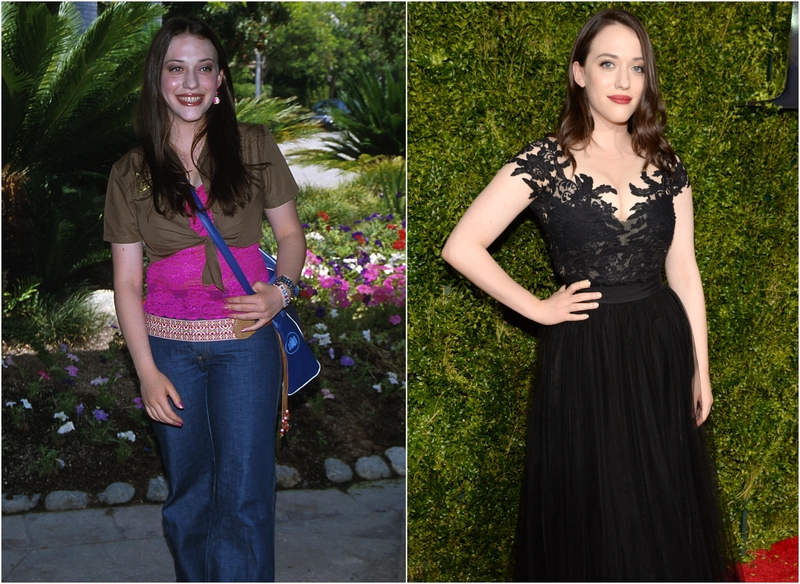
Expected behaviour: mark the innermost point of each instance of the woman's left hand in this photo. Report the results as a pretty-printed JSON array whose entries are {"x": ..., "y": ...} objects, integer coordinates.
[{"x": 262, "y": 306}]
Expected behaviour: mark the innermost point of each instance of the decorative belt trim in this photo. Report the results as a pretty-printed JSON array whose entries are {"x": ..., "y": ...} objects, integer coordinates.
[
  {"x": 220, "y": 329},
  {"x": 626, "y": 292}
]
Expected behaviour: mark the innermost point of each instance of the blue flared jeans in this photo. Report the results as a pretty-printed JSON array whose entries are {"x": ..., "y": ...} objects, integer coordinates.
[{"x": 219, "y": 516}]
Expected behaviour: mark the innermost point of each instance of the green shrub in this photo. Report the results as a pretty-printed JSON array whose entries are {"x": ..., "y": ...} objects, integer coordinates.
[
  {"x": 485, "y": 79},
  {"x": 43, "y": 320}
]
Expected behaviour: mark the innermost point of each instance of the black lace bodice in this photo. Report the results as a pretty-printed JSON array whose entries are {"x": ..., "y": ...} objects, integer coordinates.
[{"x": 586, "y": 239}]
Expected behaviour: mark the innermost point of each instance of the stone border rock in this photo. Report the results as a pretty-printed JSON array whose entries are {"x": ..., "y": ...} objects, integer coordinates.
[{"x": 368, "y": 468}]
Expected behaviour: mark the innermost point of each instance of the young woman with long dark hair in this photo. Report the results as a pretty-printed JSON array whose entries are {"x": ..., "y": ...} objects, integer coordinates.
[
  {"x": 618, "y": 483},
  {"x": 206, "y": 354}
]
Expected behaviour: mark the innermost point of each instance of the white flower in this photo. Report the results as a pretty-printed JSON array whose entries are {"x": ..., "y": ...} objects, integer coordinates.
[
  {"x": 377, "y": 387},
  {"x": 324, "y": 339},
  {"x": 376, "y": 258},
  {"x": 128, "y": 435},
  {"x": 323, "y": 270},
  {"x": 315, "y": 235},
  {"x": 343, "y": 336},
  {"x": 27, "y": 404},
  {"x": 334, "y": 313},
  {"x": 350, "y": 262},
  {"x": 61, "y": 416},
  {"x": 321, "y": 326},
  {"x": 68, "y": 427},
  {"x": 366, "y": 335},
  {"x": 392, "y": 377},
  {"x": 11, "y": 404}
]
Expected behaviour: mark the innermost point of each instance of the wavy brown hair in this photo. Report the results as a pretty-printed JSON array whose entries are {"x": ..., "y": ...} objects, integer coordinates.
[
  {"x": 223, "y": 165},
  {"x": 647, "y": 123}
]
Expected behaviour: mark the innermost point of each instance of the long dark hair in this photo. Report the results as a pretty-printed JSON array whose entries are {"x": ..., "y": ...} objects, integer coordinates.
[
  {"x": 223, "y": 165},
  {"x": 647, "y": 123}
]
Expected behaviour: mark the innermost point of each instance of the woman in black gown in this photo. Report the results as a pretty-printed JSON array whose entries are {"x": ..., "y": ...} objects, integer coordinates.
[{"x": 618, "y": 484}]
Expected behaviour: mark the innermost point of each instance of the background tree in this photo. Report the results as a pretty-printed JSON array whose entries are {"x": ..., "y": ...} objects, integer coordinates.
[{"x": 308, "y": 46}]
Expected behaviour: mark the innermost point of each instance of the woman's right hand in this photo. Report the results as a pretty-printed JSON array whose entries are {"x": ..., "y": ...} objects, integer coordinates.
[
  {"x": 563, "y": 304},
  {"x": 157, "y": 390}
]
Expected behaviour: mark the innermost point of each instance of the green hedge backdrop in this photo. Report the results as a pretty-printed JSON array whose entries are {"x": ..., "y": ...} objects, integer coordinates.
[{"x": 486, "y": 78}]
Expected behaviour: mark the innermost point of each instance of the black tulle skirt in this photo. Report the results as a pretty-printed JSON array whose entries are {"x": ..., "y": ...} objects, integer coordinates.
[{"x": 618, "y": 483}]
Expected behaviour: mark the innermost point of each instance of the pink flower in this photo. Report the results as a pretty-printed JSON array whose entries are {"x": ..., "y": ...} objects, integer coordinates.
[
  {"x": 395, "y": 319},
  {"x": 326, "y": 394},
  {"x": 72, "y": 370},
  {"x": 43, "y": 375},
  {"x": 370, "y": 274},
  {"x": 326, "y": 282}
]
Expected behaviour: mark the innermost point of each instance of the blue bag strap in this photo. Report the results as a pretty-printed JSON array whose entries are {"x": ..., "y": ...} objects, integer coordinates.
[{"x": 220, "y": 243}]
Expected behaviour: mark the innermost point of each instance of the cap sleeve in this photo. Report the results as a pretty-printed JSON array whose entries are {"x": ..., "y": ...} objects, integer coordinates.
[
  {"x": 119, "y": 218},
  {"x": 536, "y": 163},
  {"x": 276, "y": 183},
  {"x": 680, "y": 178}
]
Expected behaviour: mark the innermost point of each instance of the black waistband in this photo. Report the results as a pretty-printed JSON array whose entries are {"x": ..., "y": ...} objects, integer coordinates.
[{"x": 626, "y": 292}]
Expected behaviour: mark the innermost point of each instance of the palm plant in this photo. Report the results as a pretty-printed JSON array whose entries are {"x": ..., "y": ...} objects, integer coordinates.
[
  {"x": 67, "y": 102},
  {"x": 286, "y": 119},
  {"x": 374, "y": 126}
]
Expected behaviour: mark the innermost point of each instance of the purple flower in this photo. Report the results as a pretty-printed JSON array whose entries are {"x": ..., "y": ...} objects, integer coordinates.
[
  {"x": 79, "y": 409},
  {"x": 72, "y": 357},
  {"x": 305, "y": 225},
  {"x": 395, "y": 319},
  {"x": 100, "y": 415},
  {"x": 331, "y": 353},
  {"x": 113, "y": 326},
  {"x": 378, "y": 243},
  {"x": 138, "y": 402},
  {"x": 319, "y": 311},
  {"x": 99, "y": 381},
  {"x": 390, "y": 217},
  {"x": 347, "y": 361},
  {"x": 63, "y": 347},
  {"x": 344, "y": 228},
  {"x": 72, "y": 370}
]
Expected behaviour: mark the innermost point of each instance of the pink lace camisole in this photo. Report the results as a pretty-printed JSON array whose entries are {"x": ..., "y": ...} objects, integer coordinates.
[{"x": 174, "y": 284}]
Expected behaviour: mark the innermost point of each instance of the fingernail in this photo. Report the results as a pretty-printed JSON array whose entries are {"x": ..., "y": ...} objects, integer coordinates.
[
  {"x": 180, "y": 424},
  {"x": 180, "y": 405}
]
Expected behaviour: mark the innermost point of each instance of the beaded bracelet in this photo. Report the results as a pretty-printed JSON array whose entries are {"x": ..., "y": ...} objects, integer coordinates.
[
  {"x": 287, "y": 297},
  {"x": 295, "y": 289}
]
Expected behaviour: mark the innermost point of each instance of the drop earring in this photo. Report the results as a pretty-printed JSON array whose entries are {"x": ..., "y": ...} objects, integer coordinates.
[{"x": 216, "y": 99}]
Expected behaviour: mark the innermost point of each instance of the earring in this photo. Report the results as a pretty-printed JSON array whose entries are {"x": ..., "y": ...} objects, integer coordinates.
[{"x": 216, "y": 99}]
